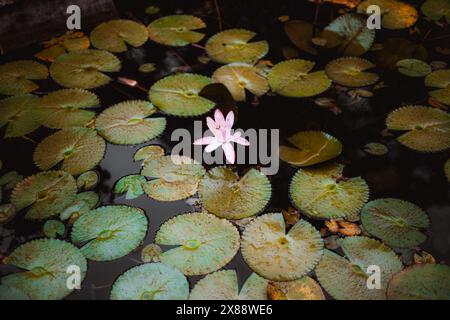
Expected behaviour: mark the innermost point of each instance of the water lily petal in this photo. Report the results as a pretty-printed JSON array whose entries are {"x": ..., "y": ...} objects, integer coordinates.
[
  {"x": 213, "y": 146},
  {"x": 229, "y": 152},
  {"x": 205, "y": 141},
  {"x": 229, "y": 120}
]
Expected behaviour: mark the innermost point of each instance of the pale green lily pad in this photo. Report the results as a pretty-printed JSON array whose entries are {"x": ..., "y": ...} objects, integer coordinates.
[
  {"x": 129, "y": 122},
  {"x": 45, "y": 263},
  {"x": 176, "y": 30},
  {"x": 9, "y": 180},
  {"x": 178, "y": 95},
  {"x": 16, "y": 76},
  {"x": 413, "y": 68},
  {"x": 151, "y": 281},
  {"x": 279, "y": 255},
  {"x": 7, "y": 212},
  {"x": 223, "y": 285},
  {"x": 132, "y": 185},
  {"x": 54, "y": 228},
  {"x": 77, "y": 150},
  {"x": 204, "y": 243},
  {"x": 229, "y": 196},
  {"x": 11, "y": 293},
  {"x": 151, "y": 253},
  {"x": 436, "y": 9},
  {"x": 46, "y": 193},
  {"x": 16, "y": 113},
  {"x": 345, "y": 278},
  {"x": 110, "y": 232},
  {"x": 396, "y": 222},
  {"x": 88, "y": 180},
  {"x": 83, "y": 203}
]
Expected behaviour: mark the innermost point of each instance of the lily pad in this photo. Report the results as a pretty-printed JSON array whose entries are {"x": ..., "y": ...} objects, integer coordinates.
[
  {"x": 397, "y": 223},
  {"x": 229, "y": 196},
  {"x": 66, "y": 108},
  {"x": 9, "y": 180},
  {"x": 151, "y": 281},
  {"x": 110, "y": 232},
  {"x": 309, "y": 148},
  {"x": 147, "y": 67},
  {"x": 351, "y": 72},
  {"x": 54, "y": 228},
  {"x": 279, "y": 255},
  {"x": 83, "y": 203},
  {"x": 84, "y": 69},
  {"x": 70, "y": 41},
  {"x": 7, "y": 212},
  {"x": 203, "y": 243},
  {"x": 436, "y": 9},
  {"x": 292, "y": 78},
  {"x": 148, "y": 153},
  {"x": 132, "y": 185},
  {"x": 77, "y": 150},
  {"x": 223, "y": 285},
  {"x": 233, "y": 46},
  {"x": 439, "y": 79},
  {"x": 151, "y": 253},
  {"x": 88, "y": 180},
  {"x": 16, "y": 113},
  {"x": 46, "y": 193},
  {"x": 11, "y": 293},
  {"x": 428, "y": 129},
  {"x": 413, "y": 68},
  {"x": 346, "y": 278},
  {"x": 16, "y": 77},
  {"x": 129, "y": 122},
  {"x": 376, "y": 149},
  {"x": 323, "y": 193},
  {"x": 397, "y": 49},
  {"x": 301, "y": 33},
  {"x": 176, "y": 30},
  {"x": 304, "y": 288},
  {"x": 45, "y": 263},
  {"x": 114, "y": 35},
  {"x": 394, "y": 14}
]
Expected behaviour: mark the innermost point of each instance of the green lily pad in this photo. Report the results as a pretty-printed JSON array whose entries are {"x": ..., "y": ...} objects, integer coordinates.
[
  {"x": 279, "y": 255},
  {"x": 176, "y": 30},
  {"x": 147, "y": 67},
  {"x": 351, "y": 72},
  {"x": 16, "y": 76},
  {"x": 110, "y": 232},
  {"x": 151, "y": 281},
  {"x": 11, "y": 293},
  {"x": 413, "y": 68},
  {"x": 436, "y": 9},
  {"x": 16, "y": 113},
  {"x": 132, "y": 185},
  {"x": 9, "y": 180},
  {"x": 88, "y": 180},
  {"x": 54, "y": 228},
  {"x": 203, "y": 243},
  {"x": 83, "y": 203},
  {"x": 304, "y": 288}
]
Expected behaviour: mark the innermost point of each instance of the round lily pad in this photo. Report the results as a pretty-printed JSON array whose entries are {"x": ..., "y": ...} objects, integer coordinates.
[
  {"x": 376, "y": 149},
  {"x": 9, "y": 180},
  {"x": 304, "y": 288},
  {"x": 292, "y": 78},
  {"x": 394, "y": 14},
  {"x": 46, "y": 193},
  {"x": 70, "y": 41},
  {"x": 114, "y": 35},
  {"x": 83, "y": 203},
  {"x": 428, "y": 129},
  {"x": 439, "y": 79},
  {"x": 397, "y": 223},
  {"x": 66, "y": 108},
  {"x": 324, "y": 194},
  {"x": 54, "y": 228},
  {"x": 151, "y": 253},
  {"x": 16, "y": 76},
  {"x": 203, "y": 243},
  {"x": 88, "y": 180},
  {"x": 132, "y": 185},
  {"x": 436, "y": 9},
  {"x": 238, "y": 77},
  {"x": 279, "y": 255},
  {"x": 7, "y": 212},
  {"x": 176, "y": 30},
  {"x": 234, "y": 45},
  {"x": 77, "y": 149},
  {"x": 178, "y": 95},
  {"x": 129, "y": 122},
  {"x": 346, "y": 278},
  {"x": 351, "y": 72},
  {"x": 413, "y": 68},
  {"x": 421, "y": 282},
  {"x": 223, "y": 285},
  {"x": 45, "y": 263},
  {"x": 151, "y": 281},
  {"x": 309, "y": 148},
  {"x": 229, "y": 196},
  {"x": 148, "y": 153},
  {"x": 84, "y": 69},
  {"x": 110, "y": 232},
  {"x": 16, "y": 113}
]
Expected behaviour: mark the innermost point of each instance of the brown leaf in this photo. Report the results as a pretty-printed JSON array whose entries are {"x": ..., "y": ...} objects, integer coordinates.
[
  {"x": 436, "y": 104},
  {"x": 300, "y": 33},
  {"x": 423, "y": 258},
  {"x": 349, "y": 228},
  {"x": 291, "y": 216},
  {"x": 332, "y": 226}
]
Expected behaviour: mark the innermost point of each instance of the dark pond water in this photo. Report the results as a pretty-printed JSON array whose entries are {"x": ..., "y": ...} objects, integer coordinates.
[{"x": 401, "y": 173}]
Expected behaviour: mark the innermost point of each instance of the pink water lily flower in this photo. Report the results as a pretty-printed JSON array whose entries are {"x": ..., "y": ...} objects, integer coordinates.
[{"x": 222, "y": 137}]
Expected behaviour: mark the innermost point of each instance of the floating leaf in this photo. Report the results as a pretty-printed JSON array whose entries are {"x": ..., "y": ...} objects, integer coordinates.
[
  {"x": 147, "y": 67},
  {"x": 300, "y": 33},
  {"x": 77, "y": 149},
  {"x": 88, "y": 180},
  {"x": 150, "y": 10},
  {"x": 114, "y": 35},
  {"x": 376, "y": 149},
  {"x": 421, "y": 282},
  {"x": 204, "y": 243},
  {"x": 176, "y": 30},
  {"x": 229, "y": 196},
  {"x": 129, "y": 122},
  {"x": 233, "y": 46},
  {"x": 7, "y": 212},
  {"x": 413, "y": 68},
  {"x": 439, "y": 79},
  {"x": 291, "y": 78},
  {"x": 323, "y": 193},
  {"x": 132, "y": 185},
  {"x": 350, "y": 34},
  {"x": 240, "y": 76},
  {"x": 83, "y": 203},
  {"x": 423, "y": 258},
  {"x": 11, "y": 293},
  {"x": 54, "y": 228},
  {"x": 65, "y": 108},
  {"x": 304, "y": 288},
  {"x": 151, "y": 253},
  {"x": 45, "y": 263},
  {"x": 84, "y": 69},
  {"x": 9, "y": 180},
  {"x": 436, "y": 9},
  {"x": 394, "y": 14},
  {"x": 277, "y": 255},
  {"x": 396, "y": 49},
  {"x": 16, "y": 113},
  {"x": 151, "y": 281},
  {"x": 149, "y": 153},
  {"x": 223, "y": 285},
  {"x": 396, "y": 222},
  {"x": 310, "y": 147},
  {"x": 350, "y": 72},
  {"x": 70, "y": 41},
  {"x": 428, "y": 128},
  {"x": 46, "y": 193},
  {"x": 110, "y": 232},
  {"x": 16, "y": 76},
  {"x": 346, "y": 278},
  {"x": 178, "y": 95}
]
